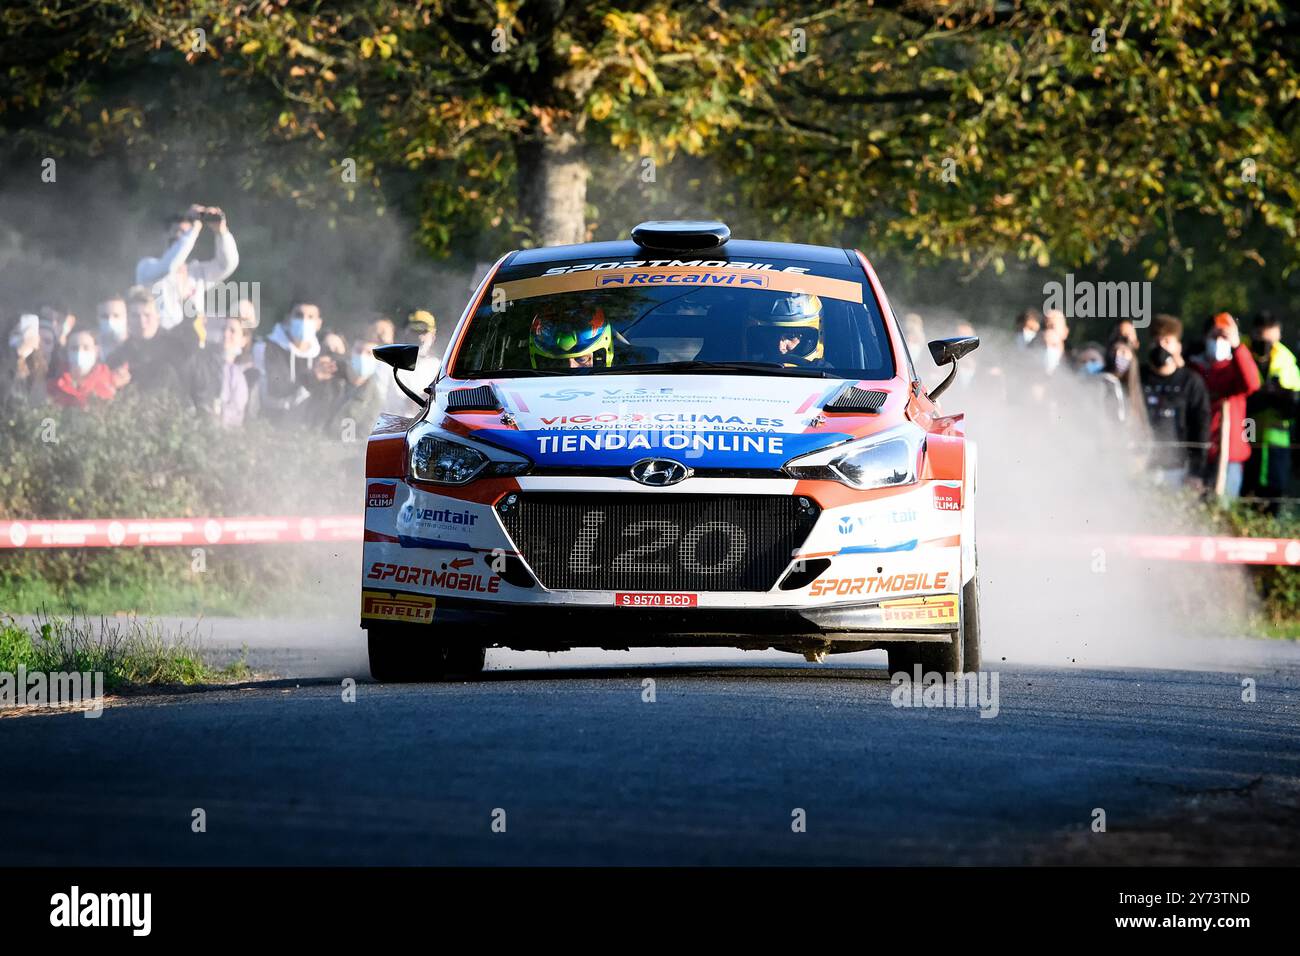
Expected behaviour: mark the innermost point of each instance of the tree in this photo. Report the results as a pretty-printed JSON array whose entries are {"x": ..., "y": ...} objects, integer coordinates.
[{"x": 1048, "y": 130}]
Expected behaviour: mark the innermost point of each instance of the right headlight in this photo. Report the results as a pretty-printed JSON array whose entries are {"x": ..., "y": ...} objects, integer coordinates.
[
  {"x": 444, "y": 459},
  {"x": 884, "y": 460}
]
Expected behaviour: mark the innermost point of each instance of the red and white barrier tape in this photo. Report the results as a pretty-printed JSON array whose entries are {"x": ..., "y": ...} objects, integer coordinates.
[
  {"x": 139, "y": 532},
  {"x": 155, "y": 532}
]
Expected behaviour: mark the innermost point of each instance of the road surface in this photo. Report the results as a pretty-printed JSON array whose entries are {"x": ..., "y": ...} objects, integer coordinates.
[{"x": 573, "y": 764}]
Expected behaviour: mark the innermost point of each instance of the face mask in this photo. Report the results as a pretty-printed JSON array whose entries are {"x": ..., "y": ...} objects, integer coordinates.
[
  {"x": 1093, "y": 367},
  {"x": 363, "y": 366},
  {"x": 299, "y": 330},
  {"x": 113, "y": 331},
  {"x": 1027, "y": 335},
  {"x": 1221, "y": 349},
  {"x": 1122, "y": 363},
  {"x": 82, "y": 361}
]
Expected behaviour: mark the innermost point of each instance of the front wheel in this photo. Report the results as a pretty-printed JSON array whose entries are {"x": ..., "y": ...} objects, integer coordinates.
[{"x": 400, "y": 655}]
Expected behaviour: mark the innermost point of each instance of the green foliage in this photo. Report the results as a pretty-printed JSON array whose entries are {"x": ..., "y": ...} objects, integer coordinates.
[
  {"x": 149, "y": 457},
  {"x": 1278, "y": 586},
  {"x": 128, "y": 653},
  {"x": 1053, "y": 131}
]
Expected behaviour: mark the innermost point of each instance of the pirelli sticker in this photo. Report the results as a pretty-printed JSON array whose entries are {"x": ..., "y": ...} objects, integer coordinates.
[
  {"x": 387, "y": 606},
  {"x": 932, "y": 609},
  {"x": 678, "y": 277}
]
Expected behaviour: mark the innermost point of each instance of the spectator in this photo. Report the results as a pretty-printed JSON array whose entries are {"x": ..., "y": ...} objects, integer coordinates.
[
  {"x": 354, "y": 395},
  {"x": 1273, "y": 408},
  {"x": 1028, "y": 324},
  {"x": 55, "y": 327},
  {"x": 86, "y": 376},
  {"x": 287, "y": 359},
  {"x": 147, "y": 361},
  {"x": 177, "y": 285},
  {"x": 1178, "y": 409},
  {"x": 113, "y": 325},
  {"x": 381, "y": 330},
  {"x": 26, "y": 365},
  {"x": 247, "y": 313},
  {"x": 422, "y": 330},
  {"x": 225, "y": 387},
  {"x": 1230, "y": 375},
  {"x": 1167, "y": 332},
  {"x": 1124, "y": 331},
  {"x": 1090, "y": 360},
  {"x": 1053, "y": 337},
  {"x": 1122, "y": 367}
]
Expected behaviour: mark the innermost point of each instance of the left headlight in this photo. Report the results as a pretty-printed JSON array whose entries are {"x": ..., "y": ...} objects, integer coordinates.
[
  {"x": 444, "y": 459},
  {"x": 885, "y": 460}
]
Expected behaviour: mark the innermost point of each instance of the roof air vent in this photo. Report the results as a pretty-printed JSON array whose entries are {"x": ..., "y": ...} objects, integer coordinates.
[{"x": 681, "y": 235}]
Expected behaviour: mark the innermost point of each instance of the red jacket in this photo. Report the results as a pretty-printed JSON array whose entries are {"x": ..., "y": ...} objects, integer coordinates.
[
  {"x": 98, "y": 383},
  {"x": 1229, "y": 382}
]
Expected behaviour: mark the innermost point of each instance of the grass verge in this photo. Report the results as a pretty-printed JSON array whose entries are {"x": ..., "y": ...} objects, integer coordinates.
[{"x": 129, "y": 652}]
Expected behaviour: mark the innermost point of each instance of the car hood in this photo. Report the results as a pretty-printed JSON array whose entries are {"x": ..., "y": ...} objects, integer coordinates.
[{"x": 704, "y": 421}]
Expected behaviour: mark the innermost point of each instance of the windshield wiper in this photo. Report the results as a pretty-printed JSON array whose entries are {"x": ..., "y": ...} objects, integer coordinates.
[{"x": 739, "y": 368}]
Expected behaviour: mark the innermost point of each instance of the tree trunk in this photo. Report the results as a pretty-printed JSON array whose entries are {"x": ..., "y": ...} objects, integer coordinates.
[{"x": 553, "y": 186}]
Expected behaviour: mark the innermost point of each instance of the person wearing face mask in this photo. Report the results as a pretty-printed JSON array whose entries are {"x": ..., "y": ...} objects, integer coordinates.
[
  {"x": 113, "y": 330},
  {"x": 355, "y": 399},
  {"x": 1274, "y": 409},
  {"x": 287, "y": 360},
  {"x": 1178, "y": 412},
  {"x": 1230, "y": 376},
  {"x": 147, "y": 361},
  {"x": 1028, "y": 324},
  {"x": 86, "y": 376}
]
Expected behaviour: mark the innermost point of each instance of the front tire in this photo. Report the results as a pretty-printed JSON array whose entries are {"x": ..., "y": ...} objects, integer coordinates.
[{"x": 402, "y": 655}]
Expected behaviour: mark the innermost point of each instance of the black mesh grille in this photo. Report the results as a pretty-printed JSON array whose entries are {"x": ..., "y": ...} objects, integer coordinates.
[
  {"x": 479, "y": 398},
  {"x": 658, "y": 542},
  {"x": 854, "y": 399}
]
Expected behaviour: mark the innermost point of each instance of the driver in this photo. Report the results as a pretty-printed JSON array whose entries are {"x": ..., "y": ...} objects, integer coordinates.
[
  {"x": 790, "y": 334},
  {"x": 566, "y": 341}
]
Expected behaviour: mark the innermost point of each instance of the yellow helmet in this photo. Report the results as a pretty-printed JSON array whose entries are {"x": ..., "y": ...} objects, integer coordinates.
[{"x": 795, "y": 316}]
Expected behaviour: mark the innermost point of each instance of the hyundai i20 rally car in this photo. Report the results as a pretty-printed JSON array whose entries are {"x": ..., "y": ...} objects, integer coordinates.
[{"x": 681, "y": 440}]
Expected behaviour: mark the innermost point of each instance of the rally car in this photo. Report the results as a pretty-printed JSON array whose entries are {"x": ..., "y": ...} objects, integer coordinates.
[{"x": 681, "y": 440}]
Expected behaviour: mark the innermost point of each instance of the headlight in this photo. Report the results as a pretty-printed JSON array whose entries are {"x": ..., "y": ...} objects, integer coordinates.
[
  {"x": 444, "y": 460},
  {"x": 879, "y": 461}
]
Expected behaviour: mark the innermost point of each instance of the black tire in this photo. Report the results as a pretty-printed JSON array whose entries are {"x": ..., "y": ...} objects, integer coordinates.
[
  {"x": 401, "y": 655},
  {"x": 946, "y": 658},
  {"x": 970, "y": 622}
]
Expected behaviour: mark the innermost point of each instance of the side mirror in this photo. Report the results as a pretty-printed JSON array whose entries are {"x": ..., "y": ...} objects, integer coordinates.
[
  {"x": 402, "y": 358},
  {"x": 944, "y": 351}
]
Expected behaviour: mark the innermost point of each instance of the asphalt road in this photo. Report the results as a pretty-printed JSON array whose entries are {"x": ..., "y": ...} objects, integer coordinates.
[{"x": 582, "y": 769}]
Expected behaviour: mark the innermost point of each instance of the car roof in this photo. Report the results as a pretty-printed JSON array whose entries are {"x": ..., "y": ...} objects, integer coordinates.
[{"x": 741, "y": 249}]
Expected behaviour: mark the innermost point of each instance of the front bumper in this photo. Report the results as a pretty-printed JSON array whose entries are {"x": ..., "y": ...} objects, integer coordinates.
[{"x": 551, "y": 627}]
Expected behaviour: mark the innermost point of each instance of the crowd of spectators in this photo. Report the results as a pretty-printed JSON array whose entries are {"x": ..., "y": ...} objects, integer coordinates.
[
  {"x": 157, "y": 336},
  {"x": 1217, "y": 416}
]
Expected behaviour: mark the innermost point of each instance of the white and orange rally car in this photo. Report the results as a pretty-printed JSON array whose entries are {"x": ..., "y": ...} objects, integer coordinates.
[{"x": 679, "y": 440}]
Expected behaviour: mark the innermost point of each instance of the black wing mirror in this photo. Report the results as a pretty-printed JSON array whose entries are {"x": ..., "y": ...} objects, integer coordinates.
[
  {"x": 944, "y": 351},
  {"x": 402, "y": 358}
]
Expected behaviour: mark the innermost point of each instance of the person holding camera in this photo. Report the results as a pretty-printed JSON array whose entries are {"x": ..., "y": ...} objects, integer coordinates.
[{"x": 177, "y": 284}]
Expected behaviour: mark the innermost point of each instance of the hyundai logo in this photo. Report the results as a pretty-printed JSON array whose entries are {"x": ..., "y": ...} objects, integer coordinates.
[{"x": 660, "y": 472}]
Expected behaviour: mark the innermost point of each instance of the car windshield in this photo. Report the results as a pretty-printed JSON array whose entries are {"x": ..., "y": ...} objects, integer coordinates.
[{"x": 682, "y": 319}]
